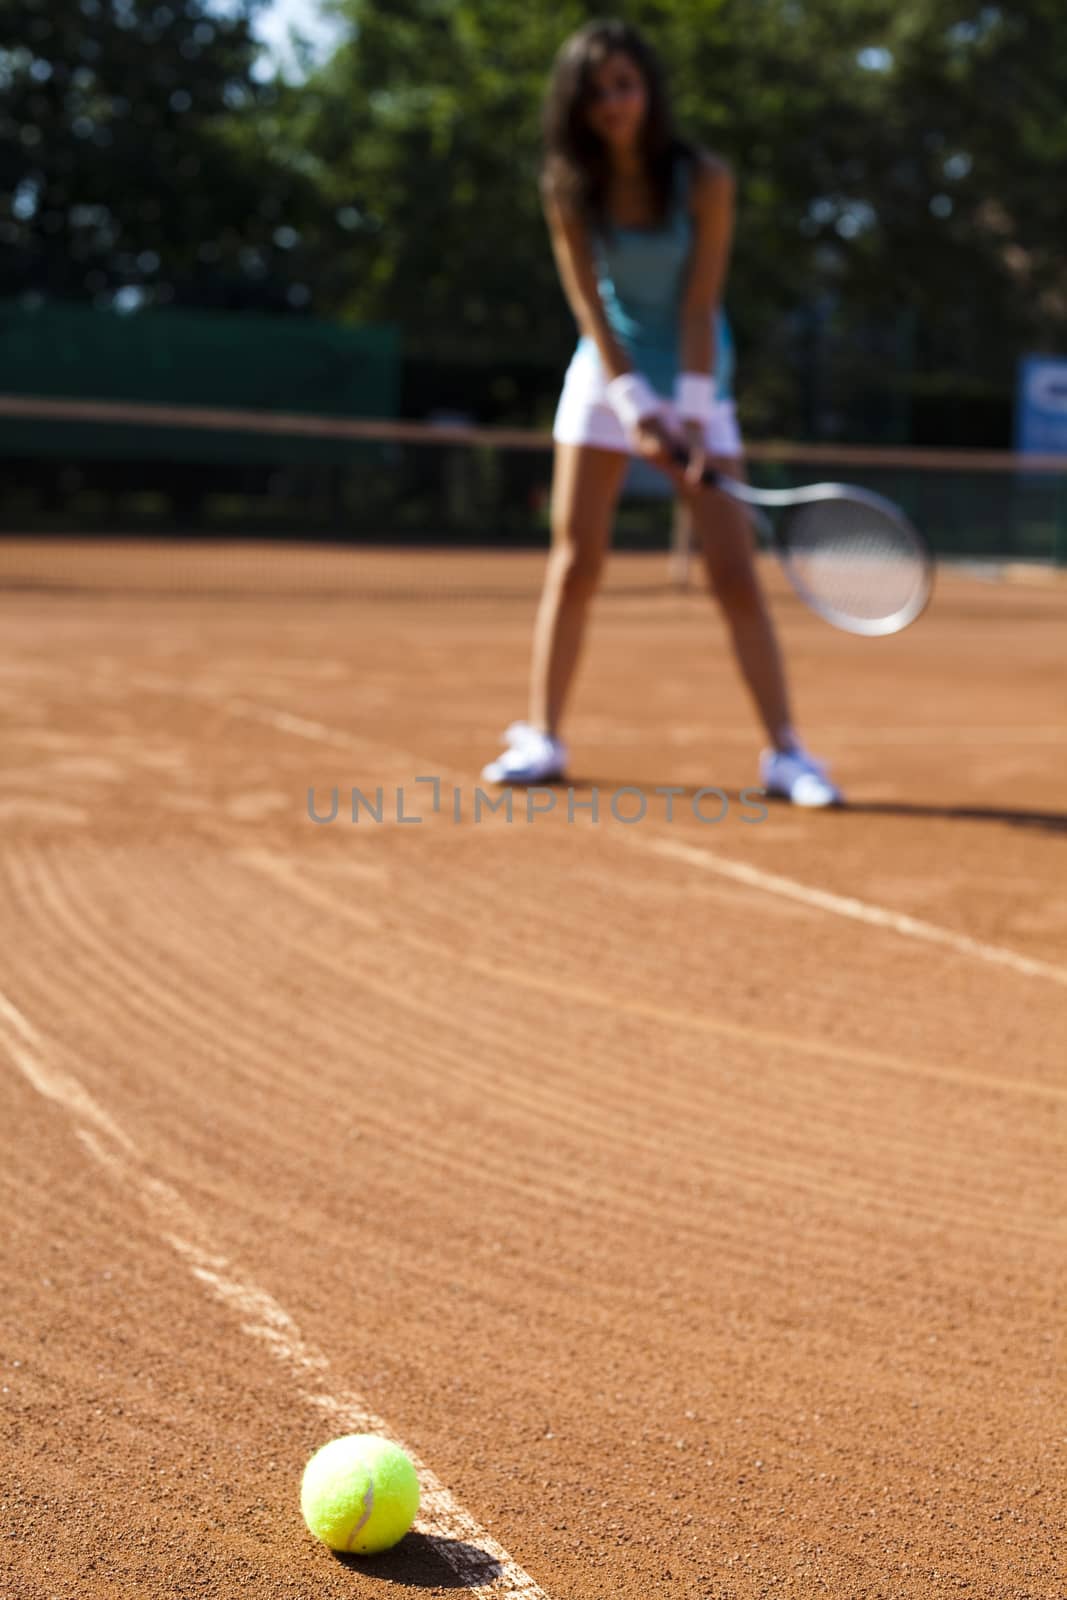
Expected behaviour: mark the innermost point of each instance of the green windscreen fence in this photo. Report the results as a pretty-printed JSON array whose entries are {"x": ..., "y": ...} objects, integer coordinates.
[
  {"x": 178, "y": 357},
  {"x": 231, "y": 471}
]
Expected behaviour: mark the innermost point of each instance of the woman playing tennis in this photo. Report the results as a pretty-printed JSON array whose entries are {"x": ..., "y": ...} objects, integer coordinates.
[{"x": 641, "y": 225}]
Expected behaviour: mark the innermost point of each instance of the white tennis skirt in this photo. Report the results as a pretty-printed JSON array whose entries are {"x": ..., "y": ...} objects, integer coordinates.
[{"x": 584, "y": 416}]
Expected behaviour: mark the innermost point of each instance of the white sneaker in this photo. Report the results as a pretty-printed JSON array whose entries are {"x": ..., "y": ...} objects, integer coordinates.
[
  {"x": 531, "y": 757},
  {"x": 798, "y": 777}
]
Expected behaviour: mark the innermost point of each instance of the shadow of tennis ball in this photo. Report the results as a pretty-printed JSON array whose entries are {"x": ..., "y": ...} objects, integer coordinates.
[{"x": 421, "y": 1562}]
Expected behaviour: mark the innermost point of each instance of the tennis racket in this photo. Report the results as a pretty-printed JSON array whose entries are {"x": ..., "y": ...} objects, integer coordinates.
[{"x": 849, "y": 554}]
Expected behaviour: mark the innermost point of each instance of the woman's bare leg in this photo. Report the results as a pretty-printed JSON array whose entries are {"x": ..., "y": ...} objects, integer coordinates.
[
  {"x": 724, "y": 532},
  {"x": 586, "y": 482}
]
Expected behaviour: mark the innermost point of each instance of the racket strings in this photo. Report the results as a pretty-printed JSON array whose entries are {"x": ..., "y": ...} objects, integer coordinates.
[{"x": 855, "y": 561}]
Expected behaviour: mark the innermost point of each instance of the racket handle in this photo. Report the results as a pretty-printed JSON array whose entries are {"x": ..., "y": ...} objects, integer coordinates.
[{"x": 710, "y": 478}]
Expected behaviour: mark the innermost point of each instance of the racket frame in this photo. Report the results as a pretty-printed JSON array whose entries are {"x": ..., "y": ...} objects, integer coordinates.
[{"x": 809, "y": 494}]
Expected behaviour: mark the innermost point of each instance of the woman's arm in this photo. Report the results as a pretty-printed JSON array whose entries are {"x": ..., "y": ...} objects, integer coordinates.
[
  {"x": 577, "y": 275},
  {"x": 713, "y": 226}
]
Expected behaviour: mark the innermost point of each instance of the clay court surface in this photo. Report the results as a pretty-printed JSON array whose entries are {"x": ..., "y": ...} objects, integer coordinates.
[{"x": 687, "y": 1196}]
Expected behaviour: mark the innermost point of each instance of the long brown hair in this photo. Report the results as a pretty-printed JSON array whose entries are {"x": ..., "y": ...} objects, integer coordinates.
[{"x": 575, "y": 167}]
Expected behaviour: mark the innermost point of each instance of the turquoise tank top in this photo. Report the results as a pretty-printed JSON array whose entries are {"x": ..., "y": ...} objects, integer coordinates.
[{"x": 641, "y": 278}]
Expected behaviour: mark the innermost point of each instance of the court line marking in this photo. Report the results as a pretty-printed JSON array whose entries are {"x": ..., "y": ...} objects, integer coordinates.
[
  {"x": 790, "y": 1043},
  {"x": 1044, "y": 733},
  {"x": 753, "y": 877},
  {"x": 24, "y": 1048},
  {"x": 286, "y": 721},
  {"x": 472, "y": 1553},
  {"x": 873, "y": 915},
  {"x": 750, "y": 1172}
]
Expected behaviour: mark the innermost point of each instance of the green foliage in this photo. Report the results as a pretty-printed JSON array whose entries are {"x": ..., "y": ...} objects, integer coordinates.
[
  {"x": 899, "y": 176},
  {"x": 121, "y": 161},
  {"x": 965, "y": 166},
  {"x": 424, "y": 131}
]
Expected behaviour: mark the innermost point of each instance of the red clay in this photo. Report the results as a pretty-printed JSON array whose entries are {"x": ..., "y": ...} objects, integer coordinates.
[{"x": 704, "y": 1240}]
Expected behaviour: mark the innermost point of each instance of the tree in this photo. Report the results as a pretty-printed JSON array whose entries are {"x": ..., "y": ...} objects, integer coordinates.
[
  {"x": 899, "y": 173},
  {"x": 965, "y": 167},
  {"x": 125, "y": 176}
]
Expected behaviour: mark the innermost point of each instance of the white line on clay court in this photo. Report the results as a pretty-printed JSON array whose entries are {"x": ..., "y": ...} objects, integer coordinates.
[
  {"x": 709, "y": 861},
  {"x": 873, "y": 915},
  {"x": 472, "y": 1553},
  {"x": 938, "y": 737},
  {"x": 290, "y": 722}
]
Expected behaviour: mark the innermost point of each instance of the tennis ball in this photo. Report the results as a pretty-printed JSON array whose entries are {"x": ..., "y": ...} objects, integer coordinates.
[{"x": 359, "y": 1493}]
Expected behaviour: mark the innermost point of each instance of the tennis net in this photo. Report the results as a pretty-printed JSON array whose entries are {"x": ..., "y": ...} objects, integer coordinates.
[{"x": 120, "y": 496}]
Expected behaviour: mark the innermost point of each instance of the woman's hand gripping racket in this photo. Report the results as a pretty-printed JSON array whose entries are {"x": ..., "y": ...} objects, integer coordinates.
[{"x": 850, "y": 555}]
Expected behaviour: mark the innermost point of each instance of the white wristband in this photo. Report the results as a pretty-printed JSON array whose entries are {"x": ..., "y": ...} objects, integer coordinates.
[
  {"x": 631, "y": 399},
  {"x": 694, "y": 393}
]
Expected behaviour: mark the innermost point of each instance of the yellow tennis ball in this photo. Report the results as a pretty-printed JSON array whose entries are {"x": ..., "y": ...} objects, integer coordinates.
[{"x": 359, "y": 1493}]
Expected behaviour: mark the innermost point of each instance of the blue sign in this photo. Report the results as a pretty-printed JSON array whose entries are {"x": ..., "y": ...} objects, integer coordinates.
[{"x": 1041, "y": 406}]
